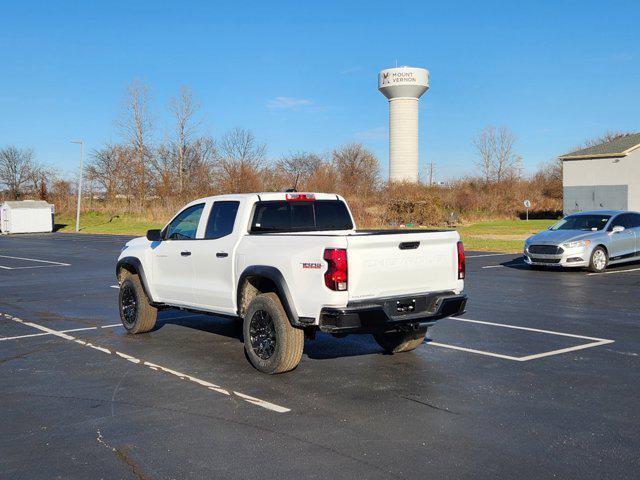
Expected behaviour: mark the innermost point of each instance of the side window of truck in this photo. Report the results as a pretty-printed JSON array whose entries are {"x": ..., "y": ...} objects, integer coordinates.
[
  {"x": 185, "y": 225},
  {"x": 221, "y": 219}
]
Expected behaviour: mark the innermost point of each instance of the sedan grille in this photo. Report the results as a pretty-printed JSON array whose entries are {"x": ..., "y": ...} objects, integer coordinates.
[
  {"x": 545, "y": 249},
  {"x": 545, "y": 260}
]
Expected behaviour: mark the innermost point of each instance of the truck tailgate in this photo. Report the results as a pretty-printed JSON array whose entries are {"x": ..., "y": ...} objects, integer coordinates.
[{"x": 395, "y": 264}]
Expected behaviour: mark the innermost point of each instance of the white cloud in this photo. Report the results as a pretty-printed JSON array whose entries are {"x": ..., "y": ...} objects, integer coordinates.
[
  {"x": 376, "y": 133},
  {"x": 349, "y": 71},
  {"x": 287, "y": 103}
]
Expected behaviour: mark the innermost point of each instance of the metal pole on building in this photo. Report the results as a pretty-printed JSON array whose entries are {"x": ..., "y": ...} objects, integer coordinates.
[{"x": 81, "y": 143}]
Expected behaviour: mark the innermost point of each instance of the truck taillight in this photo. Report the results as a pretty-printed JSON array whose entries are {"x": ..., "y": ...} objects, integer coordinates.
[
  {"x": 336, "y": 276},
  {"x": 462, "y": 267}
]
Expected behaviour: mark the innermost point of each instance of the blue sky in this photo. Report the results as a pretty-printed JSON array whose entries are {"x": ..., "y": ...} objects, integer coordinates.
[{"x": 302, "y": 75}]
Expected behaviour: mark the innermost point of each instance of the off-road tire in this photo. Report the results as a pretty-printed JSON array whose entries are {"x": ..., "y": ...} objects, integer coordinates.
[
  {"x": 594, "y": 265},
  {"x": 289, "y": 341},
  {"x": 144, "y": 318},
  {"x": 398, "y": 342}
]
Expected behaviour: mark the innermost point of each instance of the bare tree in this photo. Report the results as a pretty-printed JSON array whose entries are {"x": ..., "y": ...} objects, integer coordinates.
[
  {"x": 548, "y": 178},
  {"x": 604, "y": 138},
  {"x": 201, "y": 160},
  {"x": 299, "y": 168},
  {"x": 357, "y": 168},
  {"x": 484, "y": 147},
  {"x": 62, "y": 195},
  {"x": 17, "y": 169},
  {"x": 241, "y": 146},
  {"x": 39, "y": 177},
  {"x": 241, "y": 158},
  {"x": 111, "y": 168},
  {"x": 136, "y": 127},
  {"x": 497, "y": 160},
  {"x": 508, "y": 164},
  {"x": 199, "y": 157},
  {"x": 183, "y": 109}
]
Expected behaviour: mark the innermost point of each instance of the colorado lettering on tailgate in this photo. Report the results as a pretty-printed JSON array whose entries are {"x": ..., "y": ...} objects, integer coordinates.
[{"x": 396, "y": 263}]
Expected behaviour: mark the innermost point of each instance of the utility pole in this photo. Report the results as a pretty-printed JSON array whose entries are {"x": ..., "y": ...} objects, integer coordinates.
[
  {"x": 431, "y": 168},
  {"x": 81, "y": 143}
]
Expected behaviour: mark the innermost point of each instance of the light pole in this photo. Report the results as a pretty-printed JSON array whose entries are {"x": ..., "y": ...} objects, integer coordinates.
[{"x": 81, "y": 143}]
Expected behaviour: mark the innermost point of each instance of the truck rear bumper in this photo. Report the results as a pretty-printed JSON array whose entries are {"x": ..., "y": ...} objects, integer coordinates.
[{"x": 393, "y": 313}]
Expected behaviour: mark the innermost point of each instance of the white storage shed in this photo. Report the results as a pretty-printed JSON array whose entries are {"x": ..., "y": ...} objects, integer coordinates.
[{"x": 26, "y": 216}]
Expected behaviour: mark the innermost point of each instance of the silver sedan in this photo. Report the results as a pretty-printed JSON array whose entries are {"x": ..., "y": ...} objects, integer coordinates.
[{"x": 587, "y": 239}]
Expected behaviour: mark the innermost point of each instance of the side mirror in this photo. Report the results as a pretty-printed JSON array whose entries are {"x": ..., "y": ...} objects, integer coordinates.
[
  {"x": 617, "y": 229},
  {"x": 154, "y": 235}
]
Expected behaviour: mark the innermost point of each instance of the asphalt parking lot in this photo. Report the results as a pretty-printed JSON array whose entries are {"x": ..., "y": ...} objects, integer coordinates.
[{"x": 540, "y": 378}]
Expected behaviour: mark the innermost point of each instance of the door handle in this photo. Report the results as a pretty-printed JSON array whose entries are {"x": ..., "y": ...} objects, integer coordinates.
[
  {"x": 222, "y": 254},
  {"x": 185, "y": 253}
]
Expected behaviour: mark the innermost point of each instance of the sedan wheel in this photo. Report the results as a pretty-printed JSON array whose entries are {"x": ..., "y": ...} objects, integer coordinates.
[{"x": 599, "y": 260}]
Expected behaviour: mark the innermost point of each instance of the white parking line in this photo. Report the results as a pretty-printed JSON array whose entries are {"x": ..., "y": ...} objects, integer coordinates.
[
  {"x": 494, "y": 266},
  {"x": 2, "y": 339},
  {"x": 48, "y": 262},
  {"x": 472, "y": 350},
  {"x": 210, "y": 386},
  {"x": 35, "y": 260},
  {"x": 611, "y": 272},
  {"x": 529, "y": 329},
  {"x": 33, "y": 266},
  {"x": 595, "y": 342},
  {"x": 490, "y": 255}
]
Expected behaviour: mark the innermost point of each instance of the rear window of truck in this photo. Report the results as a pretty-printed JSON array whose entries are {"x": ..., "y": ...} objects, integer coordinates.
[{"x": 288, "y": 216}]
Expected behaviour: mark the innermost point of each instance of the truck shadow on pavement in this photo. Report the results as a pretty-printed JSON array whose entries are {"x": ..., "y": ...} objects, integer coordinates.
[
  {"x": 323, "y": 347},
  {"x": 326, "y": 347},
  {"x": 203, "y": 322}
]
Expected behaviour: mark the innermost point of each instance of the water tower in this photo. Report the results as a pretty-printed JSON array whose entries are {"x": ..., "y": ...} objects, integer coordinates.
[{"x": 403, "y": 86}]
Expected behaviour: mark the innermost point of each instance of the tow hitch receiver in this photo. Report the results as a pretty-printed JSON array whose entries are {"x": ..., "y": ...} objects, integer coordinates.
[{"x": 406, "y": 306}]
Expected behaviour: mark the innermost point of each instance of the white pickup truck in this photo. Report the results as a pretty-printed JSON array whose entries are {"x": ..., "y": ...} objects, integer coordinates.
[{"x": 290, "y": 265}]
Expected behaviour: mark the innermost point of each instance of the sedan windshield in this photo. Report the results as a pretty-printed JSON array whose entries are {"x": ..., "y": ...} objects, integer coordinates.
[{"x": 582, "y": 222}]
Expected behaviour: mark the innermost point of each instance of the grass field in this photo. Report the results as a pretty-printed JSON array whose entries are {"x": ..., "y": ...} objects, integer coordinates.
[
  {"x": 95, "y": 222},
  {"x": 501, "y": 235},
  {"x": 492, "y": 236}
]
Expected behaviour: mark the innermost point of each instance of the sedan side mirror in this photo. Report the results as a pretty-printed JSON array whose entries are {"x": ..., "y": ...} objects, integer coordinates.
[
  {"x": 154, "y": 235},
  {"x": 617, "y": 229}
]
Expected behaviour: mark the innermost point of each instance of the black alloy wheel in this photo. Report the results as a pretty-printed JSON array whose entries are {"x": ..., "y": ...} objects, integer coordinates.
[
  {"x": 262, "y": 334},
  {"x": 129, "y": 305}
]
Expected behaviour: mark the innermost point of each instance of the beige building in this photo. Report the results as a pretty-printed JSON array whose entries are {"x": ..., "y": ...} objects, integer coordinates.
[{"x": 603, "y": 177}]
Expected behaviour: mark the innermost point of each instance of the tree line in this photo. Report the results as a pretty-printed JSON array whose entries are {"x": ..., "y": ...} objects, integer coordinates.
[
  {"x": 21, "y": 175},
  {"x": 139, "y": 172}
]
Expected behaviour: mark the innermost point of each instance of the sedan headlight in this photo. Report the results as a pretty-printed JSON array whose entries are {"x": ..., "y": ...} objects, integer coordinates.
[{"x": 577, "y": 244}]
